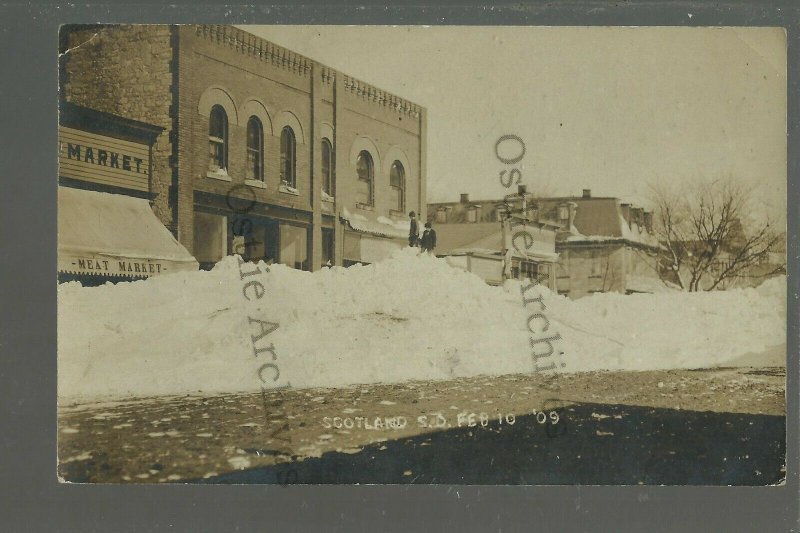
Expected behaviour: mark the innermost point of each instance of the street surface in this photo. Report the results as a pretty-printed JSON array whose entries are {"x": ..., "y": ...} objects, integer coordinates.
[{"x": 701, "y": 427}]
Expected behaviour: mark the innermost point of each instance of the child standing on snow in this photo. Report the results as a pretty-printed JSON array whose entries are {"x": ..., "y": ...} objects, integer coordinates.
[
  {"x": 413, "y": 231},
  {"x": 428, "y": 241}
]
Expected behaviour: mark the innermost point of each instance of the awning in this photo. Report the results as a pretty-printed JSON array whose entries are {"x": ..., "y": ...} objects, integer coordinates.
[
  {"x": 382, "y": 227},
  {"x": 114, "y": 235}
]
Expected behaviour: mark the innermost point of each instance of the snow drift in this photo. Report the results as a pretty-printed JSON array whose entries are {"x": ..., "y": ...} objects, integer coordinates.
[{"x": 410, "y": 317}]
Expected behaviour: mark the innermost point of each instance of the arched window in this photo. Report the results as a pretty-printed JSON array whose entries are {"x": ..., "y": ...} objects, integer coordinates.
[
  {"x": 218, "y": 139},
  {"x": 397, "y": 181},
  {"x": 366, "y": 176},
  {"x": 255, "y": 149},
  {"x": 288, "y": 157},
  {"x": 327, "y": 167}
]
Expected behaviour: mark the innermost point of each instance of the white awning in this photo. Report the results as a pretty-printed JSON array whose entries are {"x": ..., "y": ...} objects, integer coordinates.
[
  {"x": 382, "y": 227},
  {"x": 115, "y": 235}
]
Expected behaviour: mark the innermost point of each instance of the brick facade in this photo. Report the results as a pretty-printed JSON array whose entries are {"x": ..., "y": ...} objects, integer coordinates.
[{"x": 171, "y": 76}]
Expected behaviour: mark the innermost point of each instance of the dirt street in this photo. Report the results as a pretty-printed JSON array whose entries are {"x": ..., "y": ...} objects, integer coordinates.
[{"x": 724, "y": 426}]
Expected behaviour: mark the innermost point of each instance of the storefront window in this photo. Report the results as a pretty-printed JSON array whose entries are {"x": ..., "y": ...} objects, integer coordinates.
[
  {"x": 209, "y": 239},
  {"x": 327, "y": 247},
  {"x": 253, "y": 238},
  {"x": 294, "y": 246}
]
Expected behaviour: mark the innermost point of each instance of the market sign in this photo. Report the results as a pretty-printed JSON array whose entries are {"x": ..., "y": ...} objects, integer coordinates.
[
  {"x": 111, "y": 266},
  {"x": 115, "y": 235},
  {"x": 96, "y": 158}
]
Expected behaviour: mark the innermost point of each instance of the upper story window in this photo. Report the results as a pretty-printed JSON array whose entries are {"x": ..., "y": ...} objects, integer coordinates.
[
  {"x": 255, "y": 149},
  {"x": 397, "y": 181},
  {"x": 366, "y": 178},
  {"x": 327, "y": 167},
  {"x": 596, "y": 266},
  {"x": 288, "y": 157},
  {"x": 218, "y": 139}
]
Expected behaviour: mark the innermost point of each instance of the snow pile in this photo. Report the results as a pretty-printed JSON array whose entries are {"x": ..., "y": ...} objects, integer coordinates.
[
  {"x": 410, "y": 317},
  {"x": 672, "y": 329}
]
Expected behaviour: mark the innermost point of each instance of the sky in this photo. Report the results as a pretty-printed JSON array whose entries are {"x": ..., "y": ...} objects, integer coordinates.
[{"x": 607, "y": 109}]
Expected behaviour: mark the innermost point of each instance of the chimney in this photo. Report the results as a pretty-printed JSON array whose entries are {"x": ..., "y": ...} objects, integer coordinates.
[
  {"x": 587, "y": 193},
  {"x": 464, "y": 198},
  {"x": 573, "y": 208}
]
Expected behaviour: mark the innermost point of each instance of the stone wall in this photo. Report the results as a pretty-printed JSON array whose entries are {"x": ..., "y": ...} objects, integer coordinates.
[{"x": 126, "y": 70}]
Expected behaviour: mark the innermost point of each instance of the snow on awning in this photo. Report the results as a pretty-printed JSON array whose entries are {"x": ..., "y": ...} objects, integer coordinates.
[
  {"x": 114, "y": 235},
  {"x": 383, "y": 227}
]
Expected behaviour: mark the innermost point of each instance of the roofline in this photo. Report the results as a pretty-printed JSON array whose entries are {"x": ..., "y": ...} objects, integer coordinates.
[
  {"x": 611, "y": 240},
  {"x": 238, "y": 27},
  {"x": 541, "y": 223},
  {"x": 535, "y": 199},
  {"x": 75, "y": 116}
]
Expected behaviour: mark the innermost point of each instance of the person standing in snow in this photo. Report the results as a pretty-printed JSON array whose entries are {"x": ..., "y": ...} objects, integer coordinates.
[
  {"x": 428, "y": 241},
  {"x": 413, "y": 231}
]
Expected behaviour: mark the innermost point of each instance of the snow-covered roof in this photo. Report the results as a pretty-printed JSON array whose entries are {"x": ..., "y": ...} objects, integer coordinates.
[{"x": 599, "y": 220}]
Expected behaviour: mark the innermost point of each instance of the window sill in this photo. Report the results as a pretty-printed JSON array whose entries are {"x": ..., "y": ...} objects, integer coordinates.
[
  {"x": 217, "y": 175},
  {"x": 256, "y": 183},
  {"x": 395, "y": 213},
  {"x": 288, "y": 189},
  {"x": 365, "y": 207}
]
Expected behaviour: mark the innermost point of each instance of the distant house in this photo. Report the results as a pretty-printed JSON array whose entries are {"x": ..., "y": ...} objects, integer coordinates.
[
  {"x": 470, "y": 235},
  {"x": 604, "y": 245},
  {"x": 773, "y": 263},
  {"x": 586, "y": 244}
]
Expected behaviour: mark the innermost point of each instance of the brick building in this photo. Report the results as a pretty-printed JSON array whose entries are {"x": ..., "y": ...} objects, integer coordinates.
[
  {"x": 602, "y": 244},
  {"x": 263, "y": 152}
]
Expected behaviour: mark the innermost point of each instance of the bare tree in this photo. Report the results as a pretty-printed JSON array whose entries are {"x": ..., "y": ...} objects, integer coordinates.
[
  {"x": 670, "y": 216},
  {"x": 709, "y": 232}
]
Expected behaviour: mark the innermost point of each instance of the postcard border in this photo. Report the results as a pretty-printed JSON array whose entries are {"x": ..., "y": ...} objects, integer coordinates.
[{"x": 32, "y": 498}]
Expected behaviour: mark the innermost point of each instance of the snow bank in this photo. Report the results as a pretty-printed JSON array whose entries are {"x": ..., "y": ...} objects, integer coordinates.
[
  {"x": 410, "y": 317},
  {"x": 673, "y": 329}
]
